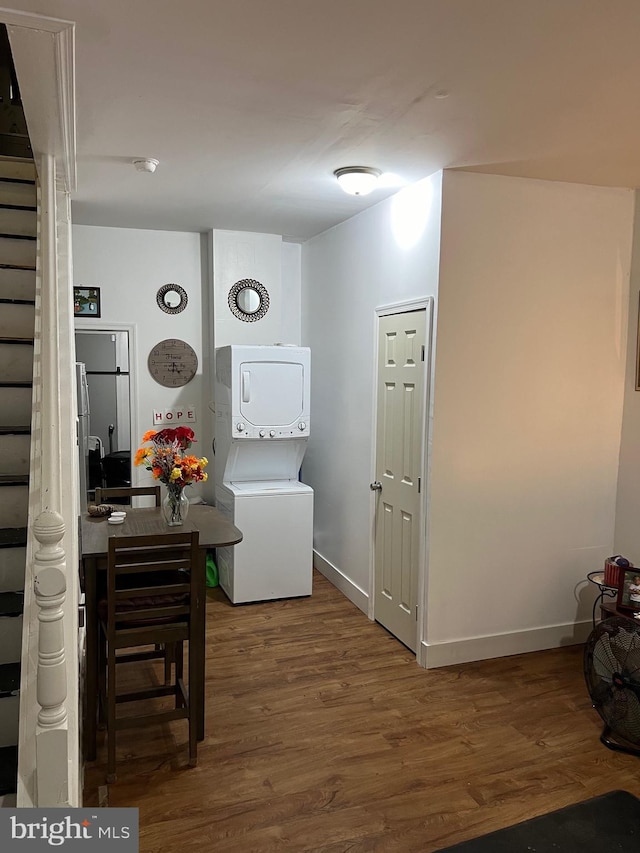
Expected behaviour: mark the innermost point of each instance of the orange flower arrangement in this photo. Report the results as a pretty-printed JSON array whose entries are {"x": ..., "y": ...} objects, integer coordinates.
[{"x": 167, "y": 460}]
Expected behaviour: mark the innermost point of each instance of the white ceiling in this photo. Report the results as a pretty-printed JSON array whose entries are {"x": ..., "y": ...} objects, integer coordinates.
[{"x": 249, "y": 105}]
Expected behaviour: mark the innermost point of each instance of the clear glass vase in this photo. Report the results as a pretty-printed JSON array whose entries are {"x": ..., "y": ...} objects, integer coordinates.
[{"x": 175, "y": 506}]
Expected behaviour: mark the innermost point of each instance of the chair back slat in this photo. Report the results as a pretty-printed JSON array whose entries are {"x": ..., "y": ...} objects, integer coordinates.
[
  {"x": 150, "y": 614},
  {"x": 142, "y": 592},
  {"x": 104, "y": 495},
  {"x": 151, "y": 577},
  {"x": 152, "y": 560}
]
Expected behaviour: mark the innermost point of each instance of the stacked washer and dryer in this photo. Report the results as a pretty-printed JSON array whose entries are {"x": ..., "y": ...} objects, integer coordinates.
[{"x": 261, "y": 431}]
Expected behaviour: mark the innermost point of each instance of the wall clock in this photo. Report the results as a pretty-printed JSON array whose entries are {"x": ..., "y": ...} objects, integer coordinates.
[
  {"x": 172, "y": 298},
  {"x": 172, "y": 363}
]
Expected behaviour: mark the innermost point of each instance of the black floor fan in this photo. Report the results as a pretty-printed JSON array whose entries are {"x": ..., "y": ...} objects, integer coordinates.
[{"x": 612, "y": 673}]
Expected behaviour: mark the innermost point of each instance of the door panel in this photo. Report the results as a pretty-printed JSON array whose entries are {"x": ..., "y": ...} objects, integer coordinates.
[{"x": 399, "y": 448}]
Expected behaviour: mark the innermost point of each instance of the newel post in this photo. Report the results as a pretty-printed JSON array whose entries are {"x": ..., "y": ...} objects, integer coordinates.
[{"x": 51, "y": 686}]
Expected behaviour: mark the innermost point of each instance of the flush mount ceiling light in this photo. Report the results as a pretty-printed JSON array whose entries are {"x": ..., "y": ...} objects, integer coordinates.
[
  {"x": 149, "y": 164},
  {"x": 357, "y": 180}
]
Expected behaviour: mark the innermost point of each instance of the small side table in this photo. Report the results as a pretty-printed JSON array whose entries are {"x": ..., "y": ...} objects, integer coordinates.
[
  {"x": 610, "y": 608},
  {"x": 606, "y": 591}
]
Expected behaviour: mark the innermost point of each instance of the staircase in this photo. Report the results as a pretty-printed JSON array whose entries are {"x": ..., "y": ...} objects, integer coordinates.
[{"x": 18, "y": 222}]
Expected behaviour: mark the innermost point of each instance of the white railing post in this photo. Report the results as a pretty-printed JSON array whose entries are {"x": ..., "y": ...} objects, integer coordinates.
[
  {"x": 49, "y": 753},
  {"x": 50, "y": 593}
]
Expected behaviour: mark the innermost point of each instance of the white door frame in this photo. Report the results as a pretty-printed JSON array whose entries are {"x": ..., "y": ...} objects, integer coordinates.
[
  {"x": 91, "y": 326},
  {"x": 382, "y": 311}
]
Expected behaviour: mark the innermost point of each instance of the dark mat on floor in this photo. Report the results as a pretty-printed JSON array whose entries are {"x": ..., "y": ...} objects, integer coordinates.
[{"x": 610, "y": 822}]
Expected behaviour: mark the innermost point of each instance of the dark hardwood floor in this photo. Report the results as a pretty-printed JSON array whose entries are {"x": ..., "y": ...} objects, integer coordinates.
[{"x": 324, "y": 735}]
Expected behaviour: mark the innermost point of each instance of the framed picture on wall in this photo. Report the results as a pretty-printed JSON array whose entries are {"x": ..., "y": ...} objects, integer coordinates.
[
  {"x": 86, "y": 301},
  {"x": 629, "y": 590}
]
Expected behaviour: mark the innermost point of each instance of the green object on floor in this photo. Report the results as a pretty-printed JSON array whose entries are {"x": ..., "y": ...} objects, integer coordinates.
[{"x": 212, "y": 570}]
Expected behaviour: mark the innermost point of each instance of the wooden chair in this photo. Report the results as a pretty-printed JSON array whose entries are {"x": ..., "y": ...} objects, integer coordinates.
[
  {"x": 105, "y": 495},
  {"x": 150, "y": 601}
]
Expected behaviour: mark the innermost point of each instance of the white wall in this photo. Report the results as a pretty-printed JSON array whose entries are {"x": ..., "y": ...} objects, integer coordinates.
[
  {"x": 129, "y": 266},
  {"x": 386, "y": 254},
  {"x": 532, "y": 284},
  {"x": 627, "y": 539},
  {"x": 291, "y": 294},
  {"x": 528, "y": 396},
  {"x": 238, "y": 255}
]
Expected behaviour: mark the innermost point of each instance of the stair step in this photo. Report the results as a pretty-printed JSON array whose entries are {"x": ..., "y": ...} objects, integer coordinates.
[
  {"x": 13, "y": 537},
  {"x": 16, "y": 358},
  {"x": 18, "y": 251},
  {"x": 4, "y": 236},
  {"x": 8, "y": 770},
  {"x": 18, "y": 191},
  {"x": 15, "y": 403},
  {"x": 14, "y": 479},
  {"x": 15, "y": 383},
  {"x": 13, "y": 561},
  {"x": 14, "y": 502},
  {"x": 15, "y": 145},
  {"x": 9, "y": 679},
  {"x": 30, "y": 267},
  {"x": 11, "y": 604},
  {"x": 17, "y": 284},
  {"x": 4, "y": 301},
  {"x": 27, "y": 207},
  {"x": 10, "y": 708},
  {"x": 15, "y": 450},
  {"x": 18, "y": 221},
  {"x": 17, "y": 181},
  {"x": 17, "y": 167},
  {"x": 15, "y": 430},
  {"x": 17, "y": 319},
  {"x": 10, "y": 646}
]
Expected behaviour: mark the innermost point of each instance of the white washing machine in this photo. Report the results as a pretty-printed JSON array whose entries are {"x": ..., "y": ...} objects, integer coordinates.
[{"x": 274, "y": 559}]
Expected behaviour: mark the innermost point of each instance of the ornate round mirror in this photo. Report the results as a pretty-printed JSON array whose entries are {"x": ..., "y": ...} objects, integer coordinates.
[
  {"x": 172, "y": 298},
  {"x": 248, "y": 300}
]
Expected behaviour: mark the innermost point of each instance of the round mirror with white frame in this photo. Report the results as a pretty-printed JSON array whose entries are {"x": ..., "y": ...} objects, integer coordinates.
[{"x": 248, "y": 300}]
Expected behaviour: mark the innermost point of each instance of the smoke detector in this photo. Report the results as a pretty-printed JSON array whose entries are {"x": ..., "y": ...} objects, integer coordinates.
[{"x": 149, "y": 164}]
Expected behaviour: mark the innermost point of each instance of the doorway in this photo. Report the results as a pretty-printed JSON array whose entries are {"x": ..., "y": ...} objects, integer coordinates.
[
  {"x": 399, "y": 485},
  {"x": 105, "y": 354}
]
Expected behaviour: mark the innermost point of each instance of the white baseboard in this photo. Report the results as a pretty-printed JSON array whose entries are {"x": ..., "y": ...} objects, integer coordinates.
[
  {"x": 346, "y": 586},
  {"x": 433, "y": 655},
  {"x": 503, "y": 645}
]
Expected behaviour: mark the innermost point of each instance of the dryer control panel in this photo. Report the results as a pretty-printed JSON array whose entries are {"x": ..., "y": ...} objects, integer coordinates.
[{"x": 242, "y": 429}]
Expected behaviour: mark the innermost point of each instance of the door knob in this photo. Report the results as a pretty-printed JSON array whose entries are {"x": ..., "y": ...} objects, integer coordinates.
[{"x": 376, "y": 487}]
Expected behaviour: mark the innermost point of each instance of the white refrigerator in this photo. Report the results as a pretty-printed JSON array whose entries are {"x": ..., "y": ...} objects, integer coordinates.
[{"x": 84, "y": 412}]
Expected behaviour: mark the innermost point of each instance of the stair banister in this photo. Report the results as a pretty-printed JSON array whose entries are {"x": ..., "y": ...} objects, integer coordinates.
[
  {"x": 49, "y": 755},
  {"x": 51, "y": 684}
]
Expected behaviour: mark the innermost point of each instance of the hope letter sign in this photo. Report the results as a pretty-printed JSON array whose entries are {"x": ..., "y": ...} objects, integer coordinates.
[{"x": 172, "y": 416}]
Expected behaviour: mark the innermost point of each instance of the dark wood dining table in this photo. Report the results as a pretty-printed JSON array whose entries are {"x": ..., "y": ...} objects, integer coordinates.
[{"x": 214, "y": 531}]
